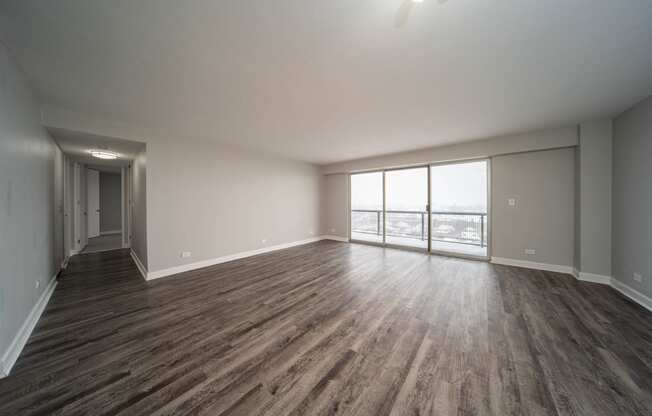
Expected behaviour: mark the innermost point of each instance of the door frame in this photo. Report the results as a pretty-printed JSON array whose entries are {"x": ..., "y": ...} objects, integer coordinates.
[
  {"x": 429, "y": 249},
  {"x": 91, "y": 215},
  {"x": 384, "y": 242},
  {"x": 351, "y": 239}
]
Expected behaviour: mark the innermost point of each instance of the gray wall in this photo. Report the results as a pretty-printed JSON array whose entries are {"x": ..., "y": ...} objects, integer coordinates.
[
  {"x": 335, "y": 205},
  {"x": 542, "y": 181},
  {"x": 110, "y": 202},
  {"x": 58, "y": 249},
  {"x": 595, "y": 177},
  {"x": 27, "y": 192},
  {"x": 632, "y": 197},
  {"x": 577, "y": 251},
  {"x": 126, "y": 191},
  {"x": 139, "y": 208},
  {"x": 543, "y": 184},
  {"x": 214, "y": 200}
]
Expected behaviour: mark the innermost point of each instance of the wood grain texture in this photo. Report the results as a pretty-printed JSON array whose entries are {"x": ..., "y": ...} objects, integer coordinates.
[{"x": 332, "y": 329}]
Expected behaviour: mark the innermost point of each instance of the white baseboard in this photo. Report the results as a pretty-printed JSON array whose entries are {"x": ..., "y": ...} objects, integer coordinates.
[
  {"x": 211, "y": 262},
  {"x": 532, "y": 265},
  {"x": 627, "y": 291},
  {"x": 335, "y": 238},
  {"x": 111, "y": 232},
  {"x": 633, "y": 294},
  {"x": 593, "y": 278},
  {"x": 141, "y": 268},
  {"x": 10, "y": 356}
]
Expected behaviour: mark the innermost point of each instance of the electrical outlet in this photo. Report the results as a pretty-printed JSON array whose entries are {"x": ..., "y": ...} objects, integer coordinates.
[
  {"x": 332, "y": 230},
  {"x": 38, "y": 284},
  {"x": 638, "y": 277},
  {"x": 185, "y": 254},
  {"x": 530, "y": 251},
  {"x": 311, "y": 232},
  {"x": 263, "y": 241},
  {"x": 511, "y": 202}
]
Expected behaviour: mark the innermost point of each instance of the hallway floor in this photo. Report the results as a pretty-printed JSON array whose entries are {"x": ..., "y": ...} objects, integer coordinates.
[{"x": 103, "y": 243}]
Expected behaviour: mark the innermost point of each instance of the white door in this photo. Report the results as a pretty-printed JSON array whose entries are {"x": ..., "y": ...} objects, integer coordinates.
[{"x": 93, "y": 195}]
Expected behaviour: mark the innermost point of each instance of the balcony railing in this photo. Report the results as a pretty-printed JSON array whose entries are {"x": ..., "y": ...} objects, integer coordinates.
[{"x": 453, "y": 227}]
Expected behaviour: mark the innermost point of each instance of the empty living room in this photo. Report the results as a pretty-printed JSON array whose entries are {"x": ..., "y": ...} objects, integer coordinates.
[{"x": 370, "y": 207}]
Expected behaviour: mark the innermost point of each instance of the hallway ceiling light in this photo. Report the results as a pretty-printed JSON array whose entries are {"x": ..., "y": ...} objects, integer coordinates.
[{"x": 104, "y": 154}]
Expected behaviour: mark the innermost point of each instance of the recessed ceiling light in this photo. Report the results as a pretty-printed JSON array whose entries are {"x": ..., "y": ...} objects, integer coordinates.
[{"x": 103, "y": 154}]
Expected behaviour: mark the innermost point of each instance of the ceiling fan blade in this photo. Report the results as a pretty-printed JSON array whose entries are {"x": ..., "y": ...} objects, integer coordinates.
[{"x": 403, "y": 13}]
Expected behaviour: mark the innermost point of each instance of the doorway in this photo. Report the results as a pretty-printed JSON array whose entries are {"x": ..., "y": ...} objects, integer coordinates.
[
  {"x": 406, "y": 196},
  {"x": 460, "y": 200},
  {"x": 439, "y": 208},
  {"x": 104, "y": 213}
]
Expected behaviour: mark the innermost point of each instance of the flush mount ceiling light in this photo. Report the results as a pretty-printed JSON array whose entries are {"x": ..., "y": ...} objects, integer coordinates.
[{"x": 104, "y": 154}]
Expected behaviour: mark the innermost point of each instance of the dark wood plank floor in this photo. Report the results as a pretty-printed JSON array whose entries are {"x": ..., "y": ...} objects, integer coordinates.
[{"x": 332, "y": 328}]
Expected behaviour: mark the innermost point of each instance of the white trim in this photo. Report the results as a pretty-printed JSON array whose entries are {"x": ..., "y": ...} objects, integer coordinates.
[
  {"x": 335, "y": 238},
  {"x": 532, "y": 265},
  {"x": 211, "y": 262},
  {"x": 110, "y": 232},
  {"x": 10, "y": 356},
  {"x": 141, "y": 268},
  {"x": 633, "y": 294},
  {"x": 73, "y": 252},
  {"x": 593, "y": 278}
]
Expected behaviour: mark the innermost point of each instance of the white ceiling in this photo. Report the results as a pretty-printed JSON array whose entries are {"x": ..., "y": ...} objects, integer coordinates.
[
  {"x": 327, "y": 81},
  {"x": 77, "y": 145}
]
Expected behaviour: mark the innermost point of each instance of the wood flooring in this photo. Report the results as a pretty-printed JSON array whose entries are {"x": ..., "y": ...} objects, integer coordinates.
[
  {"x": 103, "y": 243},
  {"x": 332, "y": 328}
]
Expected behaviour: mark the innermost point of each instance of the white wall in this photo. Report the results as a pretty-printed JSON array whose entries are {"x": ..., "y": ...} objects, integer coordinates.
[
  {"x": 139, "y": 208},
  {"x": 214, "y": 200},
  {"x": 632, "y": 197},
  {"x": 28, "y": 219},
  {"x": 543, "y": 184}
]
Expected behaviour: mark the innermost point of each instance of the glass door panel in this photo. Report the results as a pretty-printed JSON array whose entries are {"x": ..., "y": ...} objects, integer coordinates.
[
  {"x": 367, "y": 207},
  {"x": 459, "y": 208},
  {"x": 406, "y": 200}
]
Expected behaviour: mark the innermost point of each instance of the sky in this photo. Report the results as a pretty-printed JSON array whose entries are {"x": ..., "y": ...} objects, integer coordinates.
[{"x": 454, "y": 187}]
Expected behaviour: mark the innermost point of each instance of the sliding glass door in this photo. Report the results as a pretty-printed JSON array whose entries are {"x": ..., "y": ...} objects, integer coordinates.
[
  {"x": 406, "y": 201},
  {"x": 460, "y": 220},
  {"x": 392, "y": 207},
  {"x": 367, "y": 207}
]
